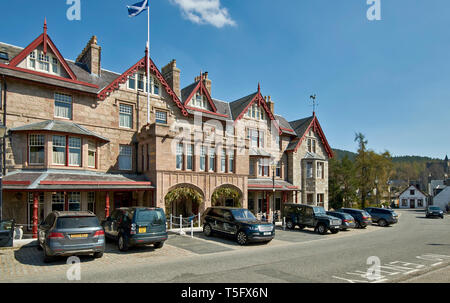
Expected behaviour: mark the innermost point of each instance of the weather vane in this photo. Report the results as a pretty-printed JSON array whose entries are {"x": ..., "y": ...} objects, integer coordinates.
[{"x": 313, "y": 98}]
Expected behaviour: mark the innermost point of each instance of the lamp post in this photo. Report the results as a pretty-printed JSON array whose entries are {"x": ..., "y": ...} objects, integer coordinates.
[
  {"x": 2, "y": 135},
  {"x": 273, "y": 188},
  {"x": 376, "y": 188}
]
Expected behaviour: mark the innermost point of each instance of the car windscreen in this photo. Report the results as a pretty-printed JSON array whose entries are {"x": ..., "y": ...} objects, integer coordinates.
[
  {"x": 150, "y": 216},
  {"x": 77, "y": 222},
  {"x": 318, "y": 210},
  {"x": 243, "y": 215},
  {"x": 434, "y": 208}
]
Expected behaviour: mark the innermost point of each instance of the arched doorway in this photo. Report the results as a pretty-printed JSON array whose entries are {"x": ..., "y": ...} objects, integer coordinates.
[
  {"x": 227, "y": 195},
  {"x": 183, "y": 199}
]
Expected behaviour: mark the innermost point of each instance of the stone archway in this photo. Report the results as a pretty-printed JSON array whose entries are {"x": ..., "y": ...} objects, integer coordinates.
[
  {"x": 184, "y": 199},
  {"x": 227, "y": 195}
]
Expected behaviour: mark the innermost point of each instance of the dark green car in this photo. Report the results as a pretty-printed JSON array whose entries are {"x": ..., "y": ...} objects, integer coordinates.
[
  {"x": 237, "y": 223},
  {"x": 310, "y": 216},
  {"x": 131, "y": 226}
]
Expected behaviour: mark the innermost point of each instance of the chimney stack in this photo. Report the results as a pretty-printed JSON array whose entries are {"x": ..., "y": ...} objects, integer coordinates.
[
  {"x": 271, "y": 104},
  {"x": 91, "y": 56},
  {"x": 207, "y": 82},
  {"x": 171, "y": 73}
]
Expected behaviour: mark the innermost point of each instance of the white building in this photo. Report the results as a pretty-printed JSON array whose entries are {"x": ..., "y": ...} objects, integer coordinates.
[
  {"x": 442, "y": 199},
  {"x": 412, "y": 197}
]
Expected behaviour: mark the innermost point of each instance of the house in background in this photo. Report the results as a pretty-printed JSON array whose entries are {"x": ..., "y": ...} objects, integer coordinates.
[
  {"x": 413, "y": 197},
  {"x": 442, "y": 199}
]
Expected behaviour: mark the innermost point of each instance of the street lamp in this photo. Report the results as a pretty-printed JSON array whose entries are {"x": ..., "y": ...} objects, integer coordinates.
[
  {"x": 273, "y": 188},
  {"x": 2, "y": 135},
  {"x": 376, "y": 188}
]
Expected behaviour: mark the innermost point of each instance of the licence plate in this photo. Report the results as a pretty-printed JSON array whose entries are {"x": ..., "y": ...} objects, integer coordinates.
[
  {"x": 350, "y": 221},
  {"x": 142, "y": 230},
  {"x": 79, "y": 236},
  {"x": 267, "y": 233}
]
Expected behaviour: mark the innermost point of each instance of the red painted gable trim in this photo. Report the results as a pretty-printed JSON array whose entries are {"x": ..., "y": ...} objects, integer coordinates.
[
  {"x": 259, "y": 98},
  {"x": 265, "y": 186},
  {"x": 141, "y": 64},
  {"x": 316, "y": 126},
  {"x": 42, "y": 39},
  {"x": 201, "y": 86},
  {"x": 47, "y": 75}
]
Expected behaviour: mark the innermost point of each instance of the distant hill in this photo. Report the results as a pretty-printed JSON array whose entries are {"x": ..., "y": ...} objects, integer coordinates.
[{"x": 340, "y": 154}]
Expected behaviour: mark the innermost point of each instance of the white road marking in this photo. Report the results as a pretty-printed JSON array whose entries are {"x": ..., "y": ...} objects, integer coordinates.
[{"x": 436, "y": 264}]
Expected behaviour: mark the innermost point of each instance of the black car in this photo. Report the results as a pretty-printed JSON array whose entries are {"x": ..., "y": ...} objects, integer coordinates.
[
  {"x": 310, "y": 216},
  {"x": 434, "y": 211},
  {"x": 347, "y": 220},
  {"x": 6, "y": 233},
  {"x": 238, "y": 223},
  {"x": 362, "y": 217},
  {"x": 132, "y": 226},
  {"x": 68, "y": 233},
  {"x": 382, "y": 216}
]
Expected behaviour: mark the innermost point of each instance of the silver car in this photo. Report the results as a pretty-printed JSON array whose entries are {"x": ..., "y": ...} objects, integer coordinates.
[{"x": 66, "y": 233}]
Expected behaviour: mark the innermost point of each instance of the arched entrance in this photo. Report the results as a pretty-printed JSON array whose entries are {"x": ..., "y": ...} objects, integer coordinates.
[
  {"x": 184, "y": 199},
  {"x": 227, "y": 195}
]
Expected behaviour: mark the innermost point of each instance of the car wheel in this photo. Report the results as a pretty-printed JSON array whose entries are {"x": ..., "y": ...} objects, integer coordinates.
[
  {"x": 382, "y": 223},
  {"x": 334, "y": 231},
  {"x": 290, "y": 224},
  {"x": 321, "y": 229},
  {"x": 242, "y": 238},
  {"x": 47, "y": 258},
  {"x": 158, "y": 244},
  {"x": 207, "y": 230},
  {"x": 122, "y": 243},
  {"x": 98, "y": 254}
]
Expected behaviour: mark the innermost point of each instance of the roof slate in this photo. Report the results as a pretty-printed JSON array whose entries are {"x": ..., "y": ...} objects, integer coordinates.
[{"x": 59, "y": 126}]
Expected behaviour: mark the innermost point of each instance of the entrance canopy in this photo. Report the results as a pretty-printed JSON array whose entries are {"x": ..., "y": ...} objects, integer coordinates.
[
  {"x": 267, "y": 184},
  {"x": 79, "y": 180}
]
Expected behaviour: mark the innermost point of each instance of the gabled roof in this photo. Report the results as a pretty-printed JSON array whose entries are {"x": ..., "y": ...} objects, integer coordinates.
[
  {"x": 301, "y": 127},
  {"x": 284, "y": 125},
  {"x": 141, "y": 64},
  {"x": 47, "y": 43},
  {"x": 415, "y": 188},
  {"x": 59, "y": 126},
  {"x": 241, "y": 106},
  {"x": 192, "y": 89}
]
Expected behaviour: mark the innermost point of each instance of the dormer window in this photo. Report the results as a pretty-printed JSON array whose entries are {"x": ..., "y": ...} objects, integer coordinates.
[
  {"x": 256, "y": 112},
  {"x": 200, "y": 101},
  {"x": 141, "y": 84},
  {"x": 43, "y": 62}
]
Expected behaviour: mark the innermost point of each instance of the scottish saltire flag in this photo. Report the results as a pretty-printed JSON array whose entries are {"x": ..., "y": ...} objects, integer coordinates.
[{"x": 137, "y": 8}]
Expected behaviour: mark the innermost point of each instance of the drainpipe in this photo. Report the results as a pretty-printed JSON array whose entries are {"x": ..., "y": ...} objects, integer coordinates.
[{"x": 3, "y": 106}]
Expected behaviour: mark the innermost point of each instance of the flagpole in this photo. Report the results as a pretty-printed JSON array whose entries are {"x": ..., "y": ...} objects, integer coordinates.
[{"x": 148, "y": 63}]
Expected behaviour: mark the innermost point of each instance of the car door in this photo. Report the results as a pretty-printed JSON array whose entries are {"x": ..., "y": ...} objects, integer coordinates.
[
  {"x": 229, "y": 225},
  {"x": 219, "y": 220},
  {"x": 6, "y": 232},
  {"x": 308, "y": 217},
  {"x": 374, "y": 213},
  {"x": 299, "y": 215}
]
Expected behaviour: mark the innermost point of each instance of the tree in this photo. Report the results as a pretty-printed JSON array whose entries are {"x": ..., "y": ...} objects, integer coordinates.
[
  {"x": 362, "y": 167},
  {"x": 222, "y": 194},
  {"x": 342, "y": 183}
]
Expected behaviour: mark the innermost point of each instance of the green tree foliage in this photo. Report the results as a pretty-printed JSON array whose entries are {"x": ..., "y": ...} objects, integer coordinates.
[
  {"x": 222, "y": 194},
  {"x": 183, "y": 194},
  {"x": 363, "y": 179}
]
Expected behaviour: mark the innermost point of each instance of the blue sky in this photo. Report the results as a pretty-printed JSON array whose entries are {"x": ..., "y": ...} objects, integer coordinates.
[{"x": 388, "y": 79}]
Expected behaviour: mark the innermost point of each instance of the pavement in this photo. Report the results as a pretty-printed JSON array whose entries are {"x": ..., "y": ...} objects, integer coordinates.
[{"x": 415, "y": 248}]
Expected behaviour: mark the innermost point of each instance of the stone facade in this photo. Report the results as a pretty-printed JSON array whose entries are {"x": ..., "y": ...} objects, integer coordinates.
[{"x": 248, "y": 165}]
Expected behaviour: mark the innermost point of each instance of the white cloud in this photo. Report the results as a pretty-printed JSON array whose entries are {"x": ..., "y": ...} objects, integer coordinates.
[{"x": 205, "y": 12}]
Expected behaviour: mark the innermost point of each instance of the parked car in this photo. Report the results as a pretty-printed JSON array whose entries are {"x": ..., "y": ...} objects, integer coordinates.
[
  {"x": 237, "y": 223},
  {"x": 382, "y": 216},
  {"x": 434, "y": 211},
  {"x": 65, "y": 233},
  {"x": 6, "y": 233},
  {"x": 310, "y": 216},
  {"x": 131, "y": 226},
  {"x": 362, "y": 218},
  {"x": 347, "y": 220}
]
